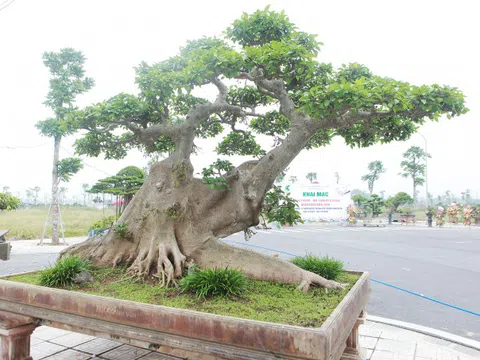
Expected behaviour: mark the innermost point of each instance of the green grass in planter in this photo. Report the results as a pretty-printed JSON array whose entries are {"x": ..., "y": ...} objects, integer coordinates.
[
  {"x": 214, "y": 282},
  {"x": 63, "y": 272},
  {"x": 327, "y": 267},
  {"x": 261, "y": 300}
]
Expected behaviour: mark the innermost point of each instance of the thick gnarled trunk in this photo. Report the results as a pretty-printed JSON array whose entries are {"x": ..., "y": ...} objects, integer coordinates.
[{"x": 175, "y": 220}]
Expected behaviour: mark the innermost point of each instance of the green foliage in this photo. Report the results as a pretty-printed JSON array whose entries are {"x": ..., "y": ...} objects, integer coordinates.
[
  {"x": 68, "y": 167},
  {"x": 375, "y": 168},
  {"x": 214, "y": 282},
  {"x": 326, "y": 267},
  {"x": 413, "y": 166},
  {"x": 240, "y": 143},
  {"x": 374, "y": 204},
  {"x": 215, "y": 175},
  {"x": 63, "y": 272},
  {"x": 102, "y": 224},
  {"x": 359, "y": 200},
  {"x": 265, "y": 46},
  {"x": 397, "y": 200},
  {"x": 67, "y": 80},
  {"x": 400, "y": 107},
  {"x": 262, "y": 27},
  {"x": 9, "y": 202},
  {"x": 121, "y": 230},
  {"x": 279, "y": 207},
  {"x": 127, "y": 182}
]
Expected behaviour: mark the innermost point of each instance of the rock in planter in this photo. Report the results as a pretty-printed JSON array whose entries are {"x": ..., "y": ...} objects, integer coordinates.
[{"x": 83, "y": 277}]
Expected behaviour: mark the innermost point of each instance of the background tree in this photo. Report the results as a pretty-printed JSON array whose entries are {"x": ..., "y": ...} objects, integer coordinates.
[
  {"x": 360, "y": 201},
  {"x": 337, "y": 177},
  {"x": 67, "y": 80},
  {"x": 62, "y": 192},
  {"x": 399, "y": 199},
  {"x": 85, "y": 188},
  {"x": 36, "y": 190},
  {"x": 8, "y": 202},
  {"x": 283, "y": 92},
  {"x": 6, "y": 189},
  {"x": 414, "y": 166},
  {"x": 312, "y": 176},
  {"x": 467, "y": 196},
  {"x": 375, "y": 169},
  {"x": 29, "y": 193},
  {"x": 124, "y": 185}
]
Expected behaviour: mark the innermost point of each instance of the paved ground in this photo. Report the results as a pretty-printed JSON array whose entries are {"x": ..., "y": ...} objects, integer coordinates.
[
  {"x": 381, "y": 342},
  {"x": 440, "y": 263}
]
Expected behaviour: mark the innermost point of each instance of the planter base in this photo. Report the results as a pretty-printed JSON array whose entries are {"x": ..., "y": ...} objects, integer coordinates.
[{"x": 175, "y": 331}]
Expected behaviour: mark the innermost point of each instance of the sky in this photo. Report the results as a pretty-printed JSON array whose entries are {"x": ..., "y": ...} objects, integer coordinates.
[{"x": 420, "y": 41}]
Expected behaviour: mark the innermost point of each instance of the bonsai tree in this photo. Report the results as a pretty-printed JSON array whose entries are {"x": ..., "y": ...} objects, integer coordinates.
[
  {"x": 8, "y": 202},
  {"x": 375, "y": 168},
  {"x": 374, "y": 205},
  {"x": 125, "y": 184},
  {"x": 399, "y": 199},
  {"x": 359, "y": 200},
  {"x": 268, "y": 81}
]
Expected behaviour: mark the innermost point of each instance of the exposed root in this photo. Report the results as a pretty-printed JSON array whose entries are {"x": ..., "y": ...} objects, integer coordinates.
[
  {"x": 162, "y": 259},
  {"x": 314, "y": 279},
  {"x": 170, "y": 264}
]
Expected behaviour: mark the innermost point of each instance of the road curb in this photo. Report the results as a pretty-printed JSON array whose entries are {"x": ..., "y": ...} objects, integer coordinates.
[{"x": 427, "y": 331}]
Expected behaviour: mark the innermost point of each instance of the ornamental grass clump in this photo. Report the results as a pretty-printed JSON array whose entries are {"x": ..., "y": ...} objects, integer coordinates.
[
  {"x": 214, "y": 283},
  {"x": 327, "y": 267},
  {"x": 63, "y": 272}
]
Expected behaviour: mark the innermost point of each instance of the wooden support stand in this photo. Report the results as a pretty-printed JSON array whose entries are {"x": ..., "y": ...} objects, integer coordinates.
[
  {"x": 353, "y": 350},
  {"x": 15, "y": 331}
]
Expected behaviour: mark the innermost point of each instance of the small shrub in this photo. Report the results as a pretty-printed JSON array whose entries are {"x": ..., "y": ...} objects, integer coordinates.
[
  {"x": 327, "y": 267},
  {"x": 121, "y": 230},
  {"x": 103, "y": 224},
  {"x": 214, "y": 282},
  {"x": 63, "y": 272}
]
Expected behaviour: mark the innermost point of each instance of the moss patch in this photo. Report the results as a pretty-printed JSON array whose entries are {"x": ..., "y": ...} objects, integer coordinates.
[{"x": 264, "y": 301}]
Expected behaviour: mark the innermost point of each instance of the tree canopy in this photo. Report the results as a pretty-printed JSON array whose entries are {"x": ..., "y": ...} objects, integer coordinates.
[
  {"x": 401, "y": 198},
  {"x": 269, "y": 82},
  {"x": 375, "y": 168},
  {"x": 126, "y": 182}
]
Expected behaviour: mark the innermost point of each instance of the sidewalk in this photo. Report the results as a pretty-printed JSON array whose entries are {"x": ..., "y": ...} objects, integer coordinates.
[{"x": 381, "y": 342}]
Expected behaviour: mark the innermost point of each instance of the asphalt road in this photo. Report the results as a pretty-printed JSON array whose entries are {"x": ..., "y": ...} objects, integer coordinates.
[{"x": 441, "y": 263}]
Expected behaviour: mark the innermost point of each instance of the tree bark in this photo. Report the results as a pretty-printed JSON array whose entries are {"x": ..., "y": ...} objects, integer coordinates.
[
  {"x": 174, "y": 220},
  {"x": 55, "y": 195}
]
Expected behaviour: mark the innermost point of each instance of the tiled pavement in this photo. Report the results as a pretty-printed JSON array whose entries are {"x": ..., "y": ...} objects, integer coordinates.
[
  {"x": 385, "y": 342},
  {"x": 382, "y": 342}
]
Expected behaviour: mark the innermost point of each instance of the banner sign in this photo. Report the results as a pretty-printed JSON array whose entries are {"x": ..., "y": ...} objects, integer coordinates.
[{"x": 319, "y": 202}]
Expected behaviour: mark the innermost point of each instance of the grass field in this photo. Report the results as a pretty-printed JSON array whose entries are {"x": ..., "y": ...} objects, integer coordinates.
[{"x": 28, "y": 223}]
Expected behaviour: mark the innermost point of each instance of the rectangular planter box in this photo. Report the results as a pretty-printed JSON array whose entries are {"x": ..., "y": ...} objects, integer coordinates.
[{"x": 176, "y": 331}]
